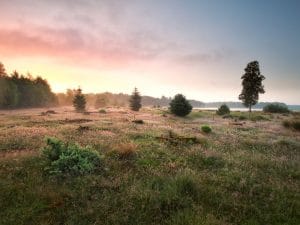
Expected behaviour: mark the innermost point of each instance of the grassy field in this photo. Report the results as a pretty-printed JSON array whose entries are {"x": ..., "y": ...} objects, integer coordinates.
[{"x": 164, "y": 171}]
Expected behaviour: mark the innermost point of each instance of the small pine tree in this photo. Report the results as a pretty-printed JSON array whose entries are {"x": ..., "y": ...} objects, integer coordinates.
[
  {"x": 180, "y": 106},
  {"x": 252, "y": 85},
  {"x": 135, "y": 100},
  {"x": 79, "y": 101},
  {"x": 224, "y": 109}
]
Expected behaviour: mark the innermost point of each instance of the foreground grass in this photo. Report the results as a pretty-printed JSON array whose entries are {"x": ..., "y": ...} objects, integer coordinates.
[{"x": 235, "y": 175}]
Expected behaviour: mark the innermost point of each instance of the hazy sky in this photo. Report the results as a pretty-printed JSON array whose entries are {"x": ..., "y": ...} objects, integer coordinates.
[{"x": 163, "y": 47}]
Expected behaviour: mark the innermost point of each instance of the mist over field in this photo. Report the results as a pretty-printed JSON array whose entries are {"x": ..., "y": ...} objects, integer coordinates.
[{"x": 147, "y": 112}]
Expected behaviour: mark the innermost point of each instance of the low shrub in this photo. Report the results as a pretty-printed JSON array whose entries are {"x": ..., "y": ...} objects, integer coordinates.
[
  {"x": 138, "y": 121},
  {"x": 206, "y": 129},
  {"x": 228, "y": 116},
  {"x": 69, "y": 159},
  {"x": 258, "y": 118},
  {"x": 242, "y": 117},
  {"x": 276, "y": 108},
  {"x": 294, "y": 124},
  {"x": 103, "y": 111},
  {"x": 224, "y": 109},
  {"x": 126, "y": 150}
]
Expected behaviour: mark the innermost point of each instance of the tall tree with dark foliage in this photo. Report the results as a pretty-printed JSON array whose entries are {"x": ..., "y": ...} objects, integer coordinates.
[
  {"x": 79, "y": 101},
  {"x": 135, "y": 100},
  {"x": 252, "y": 85}
]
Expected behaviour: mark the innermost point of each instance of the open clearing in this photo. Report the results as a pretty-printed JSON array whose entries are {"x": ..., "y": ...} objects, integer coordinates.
[{"x": 244, "y": 172}]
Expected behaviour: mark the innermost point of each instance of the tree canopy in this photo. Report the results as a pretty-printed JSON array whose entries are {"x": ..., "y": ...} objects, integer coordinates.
[
  {"x": 252, "y": 85},
  {"x": 19, "y": 91},
  {"x": 180, "y": 106}
]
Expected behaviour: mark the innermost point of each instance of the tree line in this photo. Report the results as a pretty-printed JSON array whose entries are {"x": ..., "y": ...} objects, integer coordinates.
[{"x": 19, "y": 91}]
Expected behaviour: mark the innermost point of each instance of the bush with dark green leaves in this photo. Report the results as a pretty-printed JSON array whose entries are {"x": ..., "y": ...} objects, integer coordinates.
[
  {"x": 69, "y": 159},
  {"x": 206, "y": 129},
  {"x": 180, "y": 106},
  {"x": 223, "y": 110},
  {"x": 276, "y": 108}
]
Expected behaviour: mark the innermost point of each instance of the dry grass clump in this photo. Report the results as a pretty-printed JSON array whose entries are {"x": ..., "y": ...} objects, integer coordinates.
[
  {"x": 294, "y": 124},
  {"x": 126, "y": 150}
]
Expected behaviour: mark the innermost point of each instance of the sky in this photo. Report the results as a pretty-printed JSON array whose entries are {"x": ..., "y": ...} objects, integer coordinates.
[{"x": 163, "y": 47}]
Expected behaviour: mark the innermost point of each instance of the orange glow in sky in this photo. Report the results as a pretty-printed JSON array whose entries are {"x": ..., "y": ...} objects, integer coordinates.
[{"x": 197, "y": 48}]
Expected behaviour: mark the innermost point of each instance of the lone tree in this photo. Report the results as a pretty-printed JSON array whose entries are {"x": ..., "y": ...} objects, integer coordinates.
[
  {"x": 180, "y": 106},
  {"x": 252, "y": 85},
  {"x": 135, "y": 100},
  {"x": 79, "y": 101}
]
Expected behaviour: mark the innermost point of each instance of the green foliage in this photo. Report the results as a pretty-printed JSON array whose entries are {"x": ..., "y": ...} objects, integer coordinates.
[
  {"x": 223, "y": 110},
  {"x": 79, "y": 101},
  {"x": 276, "y": 108},
  {"x": 69, "y": 159},
  {"x": 252, "y": 85},
  {"x": 180, "y": 106},
  {"x": 242, "y": 117},
  {"x": 135, "y": 100},
  {"x": 206, "y": 129},
  {"x": 18, "y": 91}
]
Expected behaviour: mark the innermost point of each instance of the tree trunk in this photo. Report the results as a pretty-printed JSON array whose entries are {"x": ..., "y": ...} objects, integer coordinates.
[{"x": 250, "y": 111}]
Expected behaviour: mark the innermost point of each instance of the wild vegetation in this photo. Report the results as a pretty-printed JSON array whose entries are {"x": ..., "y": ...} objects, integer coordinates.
[
  {"x": 223, "y": 110},
  {"x": 252, "y": 85},
  {"x": 19, "y": 91},
  {"x": 100, "y": 168},
  {"x": 180, "y": 106},
  {"x": 79, "y": 101},
  {"x": 276, "y": 108},
  {"x": 135, "y": 100}
]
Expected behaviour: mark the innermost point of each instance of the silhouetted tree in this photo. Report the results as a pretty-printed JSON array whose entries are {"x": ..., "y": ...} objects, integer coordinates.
[
  {"x": 252, "y": 85},
  {"x": 180, "y": 106},
  {"x": 2, "y": 70},
  {"x": 17, "y": 91},
  {"x": 8, "y": 93},
  {"x": 79, "y": 101},
  {"x": 135, "y": 100}
]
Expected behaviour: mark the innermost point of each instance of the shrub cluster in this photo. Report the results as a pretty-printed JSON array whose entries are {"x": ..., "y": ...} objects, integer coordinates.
[
  {"x": 69, "y": 159},
  {"x": 276, "y": 108},
  {"x": 223, "y": 110},
  {"x": 206, "y": 129}
]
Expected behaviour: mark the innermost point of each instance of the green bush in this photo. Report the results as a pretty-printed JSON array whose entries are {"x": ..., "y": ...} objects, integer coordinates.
[
  {"x": 276, "y": 108},
  {"x": 224, "y": 109},
  {"x": 206, "y": 129},
  {"x": 180, "y": 106},
  {"x": 242, "y": 117},
  {"x": 69, "y": 159}
]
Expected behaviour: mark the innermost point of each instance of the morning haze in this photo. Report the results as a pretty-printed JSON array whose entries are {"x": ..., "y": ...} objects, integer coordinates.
[
  {"x": 149, "y": 112},
  {"x": 199, "y": 48}
]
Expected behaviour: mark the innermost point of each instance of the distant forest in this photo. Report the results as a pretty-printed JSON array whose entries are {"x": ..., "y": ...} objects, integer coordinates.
[{"x": 20, "y": 91}]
